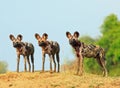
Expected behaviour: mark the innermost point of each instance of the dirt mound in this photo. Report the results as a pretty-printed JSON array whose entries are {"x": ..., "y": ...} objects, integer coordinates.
[{"x": 56, "y": 80}]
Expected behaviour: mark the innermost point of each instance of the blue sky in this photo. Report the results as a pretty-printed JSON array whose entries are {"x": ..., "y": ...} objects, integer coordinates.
[{"x": 54, "y": 17}]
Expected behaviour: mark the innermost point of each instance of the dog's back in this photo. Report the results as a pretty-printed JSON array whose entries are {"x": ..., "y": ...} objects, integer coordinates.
[
  {"x": 55, "y": 48},
  {"x": 91, "y": 50},
  {"x": 30, "y": 48}
]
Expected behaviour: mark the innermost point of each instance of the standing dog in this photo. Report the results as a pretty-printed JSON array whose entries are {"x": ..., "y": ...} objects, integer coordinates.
[
  {"x": 25, "y": 49},
  {"x": 48, "y": 47},
  {"x": 90, "y": 51}
]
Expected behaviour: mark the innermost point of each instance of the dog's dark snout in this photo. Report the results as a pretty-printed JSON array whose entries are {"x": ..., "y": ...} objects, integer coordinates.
[
  {"x": 14, "y": 44},
  {"x": 42, "y": 43},
  {"x": 71, "y": 41}
]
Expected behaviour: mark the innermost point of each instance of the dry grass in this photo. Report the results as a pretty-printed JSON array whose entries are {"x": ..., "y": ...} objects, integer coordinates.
[{"x": 56, "y": 80}]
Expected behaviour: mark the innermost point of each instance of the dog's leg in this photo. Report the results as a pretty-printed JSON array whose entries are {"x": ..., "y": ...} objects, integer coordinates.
[
  {"x": 58, "y": 61},
  {"x": 51, "y": 58},
  {"x": 29, "y": 63},
  {"x": 102, "y": 64},
  {"x": 81, "y": 65},
  {"x": 80, "y": 57},
  {"x": 18, "y": 61},
  {"x": 105, "y": 73},
  {"x": 43, "y": 61},
  {"x": 25, "y": 68},
  {"x": 101, "y": 60},
  {"x": 78, "y": 65},
  {"x": 32, "y": 60},
  {"x": 54, "y": 63}
]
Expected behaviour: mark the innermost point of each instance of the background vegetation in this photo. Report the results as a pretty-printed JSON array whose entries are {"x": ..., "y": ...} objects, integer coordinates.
[{"x": 3, "y": 67}]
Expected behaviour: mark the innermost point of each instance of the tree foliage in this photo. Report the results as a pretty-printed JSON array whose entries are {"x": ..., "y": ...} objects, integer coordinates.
[
  {"x": 110, "y": 22},
  {"x": 111, "y": 42}
]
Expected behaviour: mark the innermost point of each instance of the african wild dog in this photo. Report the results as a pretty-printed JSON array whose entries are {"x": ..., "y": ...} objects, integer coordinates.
[
  {"x": 25, "y": 49},
  {"x": 90, "y": 51},
  {"x": 51, "y": 48}
]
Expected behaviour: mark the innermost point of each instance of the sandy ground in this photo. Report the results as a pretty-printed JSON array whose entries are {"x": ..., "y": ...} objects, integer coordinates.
[{"x": 56, "y": 80}]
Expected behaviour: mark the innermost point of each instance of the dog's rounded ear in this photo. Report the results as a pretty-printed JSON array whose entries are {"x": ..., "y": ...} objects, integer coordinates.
[
  {"x": 68, "y": 34},
  {"x": 76, "y": 34},
  {"x": 19, "y": 37},
  {"x": 11, "y": 37},
  {"x": 37, "y": 36},
  {"x": 45, "y": 36}
]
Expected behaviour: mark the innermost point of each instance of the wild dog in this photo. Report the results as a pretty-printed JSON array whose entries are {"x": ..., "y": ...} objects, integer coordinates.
[
  {"x": 90, "y": 51},
  {"x": 25, "y": 49},
  {"x": 51, "y": 48}
]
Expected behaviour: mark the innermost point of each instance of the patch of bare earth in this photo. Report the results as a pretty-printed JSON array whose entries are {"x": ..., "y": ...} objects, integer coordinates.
[{"x": 56, "y": 80}]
